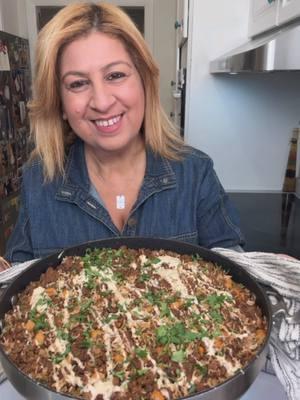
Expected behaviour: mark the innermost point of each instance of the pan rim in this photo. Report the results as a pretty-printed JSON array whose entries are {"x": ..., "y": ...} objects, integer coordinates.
[{"x": 58, "y": 256}]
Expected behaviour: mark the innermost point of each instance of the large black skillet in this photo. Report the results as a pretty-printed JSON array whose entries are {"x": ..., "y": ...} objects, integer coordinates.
[{"x": 231, "y": 389}]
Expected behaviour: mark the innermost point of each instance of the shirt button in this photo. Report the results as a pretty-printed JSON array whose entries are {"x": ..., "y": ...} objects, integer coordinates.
[{"x": 131, "y": 222}]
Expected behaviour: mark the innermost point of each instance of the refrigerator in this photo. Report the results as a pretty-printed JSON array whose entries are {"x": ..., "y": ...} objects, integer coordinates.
[{"x": 15, "y": 85}]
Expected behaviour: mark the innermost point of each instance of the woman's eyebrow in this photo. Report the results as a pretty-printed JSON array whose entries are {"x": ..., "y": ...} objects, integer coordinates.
[
  {"x": 114, "y": 63},
  {"x": 103, "y": 69}
]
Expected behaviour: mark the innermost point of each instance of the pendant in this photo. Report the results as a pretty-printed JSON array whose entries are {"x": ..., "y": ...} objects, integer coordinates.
[{"x": 120, "y": 202}]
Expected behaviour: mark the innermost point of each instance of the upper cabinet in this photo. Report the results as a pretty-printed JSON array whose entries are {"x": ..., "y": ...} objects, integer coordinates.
[
  {"x": 268, "y": 14},
  {"x": 262, "y": 16},
  {"x": 181, "y": 23},
  {"x": 287, "y": 10}
]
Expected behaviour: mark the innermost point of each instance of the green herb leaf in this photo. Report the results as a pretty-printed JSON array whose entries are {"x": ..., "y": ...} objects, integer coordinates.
[
  {"x": 140, "y": 352},
  {"x": 215, "y": 300},
  {"x": 120, "y": 375},
  {"x": 110, "y": 318},
  {"x": 202, "y": 369},
  {"x": 178, "y": 356},
  {"x": 164, "y": 310},
  {"x": 155, "y": 260},
  {"x": 192, "y": 388},
  {"x": 216, "y": 316},
  {"x": 141, "y": 372},
  {"x": 144, "y": 278},
  {"x": 177, "y": 334}
]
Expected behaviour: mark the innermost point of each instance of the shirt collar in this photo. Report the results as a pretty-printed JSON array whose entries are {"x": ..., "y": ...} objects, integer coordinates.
[{"x": 158, "y": 169}]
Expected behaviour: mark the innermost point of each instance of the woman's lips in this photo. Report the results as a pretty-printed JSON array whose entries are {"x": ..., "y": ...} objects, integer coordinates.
[{"x": 108, "y": 125}]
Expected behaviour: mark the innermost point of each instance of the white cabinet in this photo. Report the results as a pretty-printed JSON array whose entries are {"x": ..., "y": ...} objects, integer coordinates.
[
  {"x": 262, "y": 16},
  {"x": 267, "y": 14},
  {"x": 288, "y": 10},
  {"x": 181, "y": 23}
]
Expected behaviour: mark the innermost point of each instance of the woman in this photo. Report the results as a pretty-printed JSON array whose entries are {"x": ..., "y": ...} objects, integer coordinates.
[{"x": 107, "y": 161}]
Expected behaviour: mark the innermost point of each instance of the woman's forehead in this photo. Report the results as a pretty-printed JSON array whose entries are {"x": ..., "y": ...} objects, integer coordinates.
[{"x": 97, "y": 48}]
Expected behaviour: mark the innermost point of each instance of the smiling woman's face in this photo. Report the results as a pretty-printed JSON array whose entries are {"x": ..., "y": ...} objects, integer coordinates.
[{"x": 102, "y": 93}]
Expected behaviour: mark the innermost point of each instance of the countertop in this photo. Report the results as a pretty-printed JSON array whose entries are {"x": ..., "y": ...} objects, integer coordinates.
[
  {"x": 269, "y": 221},
  {"x": 264, "y": 387}
]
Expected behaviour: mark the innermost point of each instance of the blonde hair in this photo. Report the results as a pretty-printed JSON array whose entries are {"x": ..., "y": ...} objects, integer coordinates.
[{"x": 50, "y": 133}]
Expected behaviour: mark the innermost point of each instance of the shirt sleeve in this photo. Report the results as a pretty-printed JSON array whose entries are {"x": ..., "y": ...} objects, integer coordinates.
[{"x": 217, "y": 218}]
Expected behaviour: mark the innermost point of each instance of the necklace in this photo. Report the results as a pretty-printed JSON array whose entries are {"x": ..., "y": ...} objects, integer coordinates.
[{"x": 120, "y": 202}]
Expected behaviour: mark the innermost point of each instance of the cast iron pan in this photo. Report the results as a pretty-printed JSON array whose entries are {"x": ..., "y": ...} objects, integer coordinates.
[{"x": 231, "y": 389}]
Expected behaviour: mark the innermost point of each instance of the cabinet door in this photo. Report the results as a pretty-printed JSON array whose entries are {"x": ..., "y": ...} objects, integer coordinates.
[
  {"x": 288, "y": 10},
  {"x": 181, "y": 23},
  {"x": 262, "y": 16}
]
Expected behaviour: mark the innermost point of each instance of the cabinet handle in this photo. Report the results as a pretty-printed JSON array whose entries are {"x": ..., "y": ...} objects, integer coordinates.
[{"x": 177, "y": 24}]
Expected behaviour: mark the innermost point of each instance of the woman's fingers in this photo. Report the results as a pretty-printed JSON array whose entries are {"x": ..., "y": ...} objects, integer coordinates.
[{"x": 4, "y": 264}]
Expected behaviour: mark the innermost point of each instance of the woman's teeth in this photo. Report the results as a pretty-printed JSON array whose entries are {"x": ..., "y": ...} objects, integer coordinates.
[{"x": 108, "y": 122}]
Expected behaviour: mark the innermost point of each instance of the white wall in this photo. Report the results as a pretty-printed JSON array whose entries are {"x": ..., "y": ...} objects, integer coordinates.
[{"x": 244, "y": 122}]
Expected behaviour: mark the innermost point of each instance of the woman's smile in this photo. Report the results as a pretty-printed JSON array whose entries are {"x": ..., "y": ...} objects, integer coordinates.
[
  {"x": 109, "y": 125},
  {"x": 108, "y": 122}
]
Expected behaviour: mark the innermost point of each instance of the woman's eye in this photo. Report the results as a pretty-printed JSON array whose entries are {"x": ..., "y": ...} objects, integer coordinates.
[
  {"x": 78, "y": 85},
  {"x": 115, "y": 76}
]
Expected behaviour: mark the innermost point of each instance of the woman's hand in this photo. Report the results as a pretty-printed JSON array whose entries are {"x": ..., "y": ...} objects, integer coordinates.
[{"x": 4, "y": 264}]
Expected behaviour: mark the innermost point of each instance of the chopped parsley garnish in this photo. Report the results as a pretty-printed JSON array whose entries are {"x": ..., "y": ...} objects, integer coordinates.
[
  {"x": 119, "y": 374},
  {"x": 216, "y": 301},
  {"x": 87, "y": 342},
  {"x": 177, "y": 334},
  {"x": 202, "y": 369},
  {"x": 140, "y": 352},
  {"x": 178, "y": 356},
  {"x": 155, "y": 260},
  {"x": 144, "y": 278},
  {"x": 110, "y": 317},
  {"x": 216, "y": 316}
]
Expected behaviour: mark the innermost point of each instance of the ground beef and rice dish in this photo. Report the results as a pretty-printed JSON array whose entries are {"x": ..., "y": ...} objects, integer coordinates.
[{"x": 133, "y": 324}]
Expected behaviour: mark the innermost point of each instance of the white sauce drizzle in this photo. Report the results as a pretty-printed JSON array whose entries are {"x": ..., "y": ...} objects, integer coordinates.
[{"x": 37, "y": 294}]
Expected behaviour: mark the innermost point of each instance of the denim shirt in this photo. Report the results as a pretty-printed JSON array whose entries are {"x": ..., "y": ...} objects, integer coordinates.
[{"x": 181, "y": 200}]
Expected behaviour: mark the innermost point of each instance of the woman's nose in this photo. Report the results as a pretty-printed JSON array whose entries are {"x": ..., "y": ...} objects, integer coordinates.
[{"x": 102, "y": 97}]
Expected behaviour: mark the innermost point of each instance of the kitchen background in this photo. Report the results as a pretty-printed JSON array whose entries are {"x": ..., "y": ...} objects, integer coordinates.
[{"x": 244, "y": 122}]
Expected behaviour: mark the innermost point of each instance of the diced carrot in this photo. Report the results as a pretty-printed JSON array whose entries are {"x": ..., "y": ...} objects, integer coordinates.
[
  {"x": 177, "y": 304},
  {"x": 159, "y": 349},
  {"x": 219, "y": 343},
  {"x": 118, "y": 358},
  {"x": 65, "y": 293},
  {"x": 148, "y": 308},
  {"x": 238, "y": 293},
  {"x": 95, "y": 333},
  {"x": 29, "y": 326},
  {"x": 201, "y": 350},
  {"x": 157, "y": 395},
  {"x": 260, "y": 334},
  {"x": 228, "y": 282},
  {"x": 39, "y": 338},
  {"x": 50, "y": 291}
]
